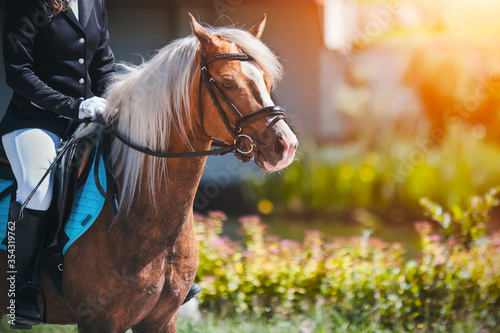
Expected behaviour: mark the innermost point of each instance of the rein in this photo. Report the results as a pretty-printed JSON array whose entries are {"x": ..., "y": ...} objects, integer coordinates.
[{"x": 210, "y": 85}]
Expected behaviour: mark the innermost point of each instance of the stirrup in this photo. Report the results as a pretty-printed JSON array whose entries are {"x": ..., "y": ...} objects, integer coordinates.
[
  {"x": 27, "y": 321},
  {"x": 18, "y": 326}
]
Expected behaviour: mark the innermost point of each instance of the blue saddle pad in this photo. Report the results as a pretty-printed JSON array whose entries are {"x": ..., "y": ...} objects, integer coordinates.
[{"x": 87, "y": 206}]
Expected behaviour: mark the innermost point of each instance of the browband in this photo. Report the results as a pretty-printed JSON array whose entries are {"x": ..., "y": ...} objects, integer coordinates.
[{"x": 223, "y": 56}]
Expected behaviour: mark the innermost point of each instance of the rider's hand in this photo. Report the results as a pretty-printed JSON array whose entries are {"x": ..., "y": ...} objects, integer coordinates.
[{"x": 90, "y": 108}]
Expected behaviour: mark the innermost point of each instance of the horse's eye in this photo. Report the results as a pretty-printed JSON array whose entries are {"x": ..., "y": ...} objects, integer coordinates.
[{"x": 228, "y": 84}]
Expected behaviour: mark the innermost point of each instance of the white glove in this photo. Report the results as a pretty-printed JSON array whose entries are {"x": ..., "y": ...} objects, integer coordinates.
[{"x": 91, "y": 107}]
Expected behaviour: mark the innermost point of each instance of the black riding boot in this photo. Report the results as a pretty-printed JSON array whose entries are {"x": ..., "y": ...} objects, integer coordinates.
[
  {"x": 193, "y": 291},
  {"x": 30, "y": 231}
]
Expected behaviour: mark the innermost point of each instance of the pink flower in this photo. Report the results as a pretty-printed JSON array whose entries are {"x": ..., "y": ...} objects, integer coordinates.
[
  {"x": 435, "y": 238},
  {"x": 209, "y": 279},
  {"x": 250, "y": 219},
  {"x": 217, "y": 215},
  {"x": 218, "y": 242},
  {"x": 424, "y": 228},
  {"x": 199, "y": 217},
  {"x": 286, "y": 243}
]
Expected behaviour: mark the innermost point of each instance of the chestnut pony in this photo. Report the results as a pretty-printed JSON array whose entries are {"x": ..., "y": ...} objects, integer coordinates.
[{"x": 134, "y": 269}]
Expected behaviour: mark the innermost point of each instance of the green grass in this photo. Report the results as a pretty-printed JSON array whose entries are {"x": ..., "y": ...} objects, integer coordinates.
[
  {"x": 323, "y": 321},
  {"x": 326, "y": 321},
  {"x": 45, "y": 329}
]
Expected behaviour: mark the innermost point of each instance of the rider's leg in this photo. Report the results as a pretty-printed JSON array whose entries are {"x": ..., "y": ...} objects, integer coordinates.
[{"x": 30, "y": 152}]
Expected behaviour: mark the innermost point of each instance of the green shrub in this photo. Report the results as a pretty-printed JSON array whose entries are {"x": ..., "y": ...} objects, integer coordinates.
[{"x": 359, "y": 278}]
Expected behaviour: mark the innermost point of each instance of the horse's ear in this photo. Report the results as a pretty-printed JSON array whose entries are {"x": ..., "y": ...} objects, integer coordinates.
[
  {"x": 258, "y": 29},
  {"x": 205, "y": 38}
]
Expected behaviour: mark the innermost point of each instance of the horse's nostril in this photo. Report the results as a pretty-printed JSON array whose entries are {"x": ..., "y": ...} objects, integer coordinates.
[{"x": 279, "y": 146}]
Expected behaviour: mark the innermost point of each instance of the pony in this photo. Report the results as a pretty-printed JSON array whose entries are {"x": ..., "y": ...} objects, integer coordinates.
[{"x": 133, "y": 269}]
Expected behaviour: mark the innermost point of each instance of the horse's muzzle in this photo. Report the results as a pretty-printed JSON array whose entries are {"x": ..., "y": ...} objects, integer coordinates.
[{"x": 277, "y": 149}]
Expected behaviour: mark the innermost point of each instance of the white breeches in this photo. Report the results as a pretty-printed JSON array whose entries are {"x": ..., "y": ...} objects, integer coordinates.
[{"x": 30, "y": 152}]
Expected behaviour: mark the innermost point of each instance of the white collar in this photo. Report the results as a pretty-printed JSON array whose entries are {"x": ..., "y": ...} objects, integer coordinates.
[{"x": 74, "y": 8}]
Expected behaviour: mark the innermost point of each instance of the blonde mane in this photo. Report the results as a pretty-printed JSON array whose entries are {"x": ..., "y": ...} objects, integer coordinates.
[{"x": 146, "y": 102}]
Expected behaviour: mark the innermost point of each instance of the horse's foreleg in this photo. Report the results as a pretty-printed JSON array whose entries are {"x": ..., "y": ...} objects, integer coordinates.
[
  {"x": 98, "y": 326},
  {"x": 165, "y": 327},
  {"x": 179, "y": 277},
  {"x": 172, "y": 326}
]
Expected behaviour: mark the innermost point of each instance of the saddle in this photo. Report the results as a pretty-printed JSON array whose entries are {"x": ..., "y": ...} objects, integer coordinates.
[
  {"x": 69, "y": 175},
  {"x": 72, "y": 170}
]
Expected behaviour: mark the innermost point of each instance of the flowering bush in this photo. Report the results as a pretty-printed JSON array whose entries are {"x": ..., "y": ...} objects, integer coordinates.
[{"x": 360, "y": 278}]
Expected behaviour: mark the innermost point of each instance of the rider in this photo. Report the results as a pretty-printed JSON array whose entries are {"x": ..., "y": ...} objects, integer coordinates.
[{"x": 58, "y": 62}]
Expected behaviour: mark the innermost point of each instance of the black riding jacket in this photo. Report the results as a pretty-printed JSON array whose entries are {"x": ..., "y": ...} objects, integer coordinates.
[{"x": 53, "y": 63}]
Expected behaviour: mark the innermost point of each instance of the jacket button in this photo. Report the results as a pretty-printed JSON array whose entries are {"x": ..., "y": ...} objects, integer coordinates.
[
  {"x": 81, "y": 81},
  {"x": 81, "y": 40},
  {"x": 81, "y": 60}
]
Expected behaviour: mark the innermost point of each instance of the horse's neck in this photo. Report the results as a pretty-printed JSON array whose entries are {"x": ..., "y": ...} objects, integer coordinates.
[{"x": 173, "y": 206}]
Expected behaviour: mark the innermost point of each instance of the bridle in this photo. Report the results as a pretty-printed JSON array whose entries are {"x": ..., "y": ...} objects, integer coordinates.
[
  {"x": 235, "y": 130},
  {"x": 239, "y": 147}
]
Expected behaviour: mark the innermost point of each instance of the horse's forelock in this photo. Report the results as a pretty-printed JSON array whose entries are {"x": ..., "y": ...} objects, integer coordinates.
[{"x": 253, "y": 47}]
